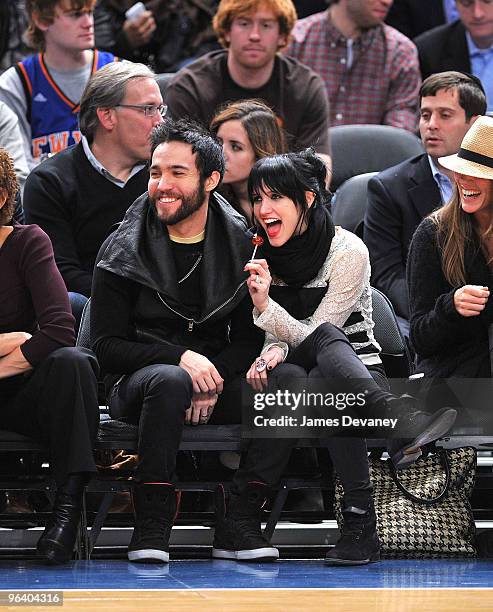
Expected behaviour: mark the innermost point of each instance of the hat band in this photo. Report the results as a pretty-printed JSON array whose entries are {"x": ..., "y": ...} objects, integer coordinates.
[{"x": 484, "y": 160}]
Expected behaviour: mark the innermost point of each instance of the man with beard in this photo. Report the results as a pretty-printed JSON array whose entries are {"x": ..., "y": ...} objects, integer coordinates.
[{"x": 171, "y": 317}]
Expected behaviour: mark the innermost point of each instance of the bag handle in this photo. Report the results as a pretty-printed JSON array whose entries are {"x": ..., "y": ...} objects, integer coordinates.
[{"x": 445, "y": 463}]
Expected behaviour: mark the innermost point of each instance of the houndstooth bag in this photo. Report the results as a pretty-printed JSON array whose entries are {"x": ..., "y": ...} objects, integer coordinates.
[{"x": 423, "y": 511}]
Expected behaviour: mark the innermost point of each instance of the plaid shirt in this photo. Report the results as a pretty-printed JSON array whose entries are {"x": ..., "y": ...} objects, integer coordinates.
[{"x": 375, "y": 79}]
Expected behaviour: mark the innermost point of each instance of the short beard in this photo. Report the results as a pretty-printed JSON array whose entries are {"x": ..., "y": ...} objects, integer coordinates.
[{"x": 189, "y": 205}]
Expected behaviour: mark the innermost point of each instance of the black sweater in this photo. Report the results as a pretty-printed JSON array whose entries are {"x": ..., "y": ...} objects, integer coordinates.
[
  {"x": 77, "y": 207},
  {"x": 446, "y": 343}
]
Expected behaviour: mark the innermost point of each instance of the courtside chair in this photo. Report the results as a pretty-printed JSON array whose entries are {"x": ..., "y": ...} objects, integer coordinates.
[
  {"x": 350, "y": 202},
  {"x": 357, "y": 149}
]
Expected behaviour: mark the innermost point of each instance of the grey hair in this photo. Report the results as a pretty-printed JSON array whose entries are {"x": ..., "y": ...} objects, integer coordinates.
[{"x": 106, "y": 89}]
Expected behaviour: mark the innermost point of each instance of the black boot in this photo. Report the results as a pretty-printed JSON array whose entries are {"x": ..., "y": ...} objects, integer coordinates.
[
  {"x": 155, "y": 509},
  {"x": 359, "y": 543},
  {"x": 416, "y": 429},
  {"x": 56, "y": 543},
  {"x": 238, "y": 532}
]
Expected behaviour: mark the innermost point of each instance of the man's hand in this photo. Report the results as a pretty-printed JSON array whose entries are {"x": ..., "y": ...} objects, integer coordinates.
[
  {"x": 12, "y": 340},
  {"x": 205, "y": 377},
  {"x": 201, "y": 408},
  {"x": 139, "y": 31},
  {"x": 470, "y": 300}
]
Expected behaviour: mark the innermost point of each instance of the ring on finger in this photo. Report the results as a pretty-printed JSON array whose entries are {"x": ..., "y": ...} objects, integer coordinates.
[
  {"x": 261, "y": 365},
  {"x": 258, "y": 279}
]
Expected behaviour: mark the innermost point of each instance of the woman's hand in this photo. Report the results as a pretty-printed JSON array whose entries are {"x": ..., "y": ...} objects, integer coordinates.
[
  {"x": 470, "y": 300},
  {"x": 257, "y": 374},
  {"x": 258, "y": 283},
  {"x": 12, "y": 340}
]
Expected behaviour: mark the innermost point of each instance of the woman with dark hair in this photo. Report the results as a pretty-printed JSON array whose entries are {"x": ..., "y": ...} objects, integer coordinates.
[
  {"x": 48, "y": 389},
  {"x": 312, "y": 296},
  {"x": 249, "y": 131},
  {"x": 450, "y": 267}
]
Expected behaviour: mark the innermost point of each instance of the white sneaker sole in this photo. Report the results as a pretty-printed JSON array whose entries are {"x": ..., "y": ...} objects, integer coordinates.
[
  {"x": 264, "y": 554},
  {"x": 148, "y": 555}
]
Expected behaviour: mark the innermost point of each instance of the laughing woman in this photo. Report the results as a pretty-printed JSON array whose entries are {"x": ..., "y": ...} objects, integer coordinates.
[
  {"x": 450, "y": 267},
  {"x": 48, "y": 389},
  {"x": 312, "y": 296}
]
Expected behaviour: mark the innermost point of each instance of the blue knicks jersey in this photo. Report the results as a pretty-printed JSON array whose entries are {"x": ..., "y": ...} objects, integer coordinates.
[{"x": 52, "y": 115}]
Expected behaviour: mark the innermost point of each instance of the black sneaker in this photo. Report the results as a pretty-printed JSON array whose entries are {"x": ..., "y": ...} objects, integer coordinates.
[
  {"x": 238, "y": 532},
  {"x": 359, "y": 543},
  {"x": 155, "y": 509},
  {"x": 422, "y": 426}
]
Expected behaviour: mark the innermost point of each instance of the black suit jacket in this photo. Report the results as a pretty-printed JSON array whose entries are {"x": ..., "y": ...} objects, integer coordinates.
[
  {"x": 443, "y": 48},
  {"x": 398, "y": 199},
  {"x": 412, "y": 17}
]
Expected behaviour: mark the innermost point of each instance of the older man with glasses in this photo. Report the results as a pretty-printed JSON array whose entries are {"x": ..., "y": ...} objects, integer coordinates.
[{"x": 78, "y": 195}]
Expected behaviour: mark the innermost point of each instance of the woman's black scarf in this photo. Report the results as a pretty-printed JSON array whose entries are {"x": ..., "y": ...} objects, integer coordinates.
[{"x": 298, "y": 261}]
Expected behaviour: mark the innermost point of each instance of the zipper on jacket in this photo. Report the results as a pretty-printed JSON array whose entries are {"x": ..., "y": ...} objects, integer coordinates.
[{"x": 192, "y": 322}]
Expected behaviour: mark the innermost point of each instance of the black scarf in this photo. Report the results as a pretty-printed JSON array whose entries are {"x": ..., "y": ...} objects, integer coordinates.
[{"x": 300, "y": 259}]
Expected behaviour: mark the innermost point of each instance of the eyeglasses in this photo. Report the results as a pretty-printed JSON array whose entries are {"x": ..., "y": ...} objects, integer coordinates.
[{"x": 149, "y": 110}]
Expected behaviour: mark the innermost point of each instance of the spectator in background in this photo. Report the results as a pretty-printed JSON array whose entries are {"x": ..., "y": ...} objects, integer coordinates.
[
  {"x": 78, "y": 195},
  {"x": 44, "y": 90},
  {"x": 400, "y": 197},
  {"x": 465, "y": 45},
  {"x": 13, "y": 24},
  {"x": 166, "y": 36},
  {"x": 248, "y": 131},
  {"x": 370, "y": 70},
  {"x": 413, "y": 17},
  {"x": 253, "y": 31}
]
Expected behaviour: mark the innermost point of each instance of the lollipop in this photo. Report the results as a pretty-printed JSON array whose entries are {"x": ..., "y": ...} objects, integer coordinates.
[{"x": 256, "y": 241}]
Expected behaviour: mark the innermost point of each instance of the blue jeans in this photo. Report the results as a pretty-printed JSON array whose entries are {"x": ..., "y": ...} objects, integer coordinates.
[{"x": 77, "y": 303}]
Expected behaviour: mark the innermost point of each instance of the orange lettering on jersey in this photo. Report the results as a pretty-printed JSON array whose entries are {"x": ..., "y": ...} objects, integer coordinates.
[
  {"x": 37, "y": 143},
  {"x": 58, "y": 141},
  {"x": 76, "y": 136}
]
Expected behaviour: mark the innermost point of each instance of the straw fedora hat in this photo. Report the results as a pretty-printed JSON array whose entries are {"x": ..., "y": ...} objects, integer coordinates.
[{"x": 475, "y": 156}]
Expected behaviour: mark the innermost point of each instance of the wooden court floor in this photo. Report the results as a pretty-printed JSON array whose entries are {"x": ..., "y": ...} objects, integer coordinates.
[{"x": 277, "y": 600}]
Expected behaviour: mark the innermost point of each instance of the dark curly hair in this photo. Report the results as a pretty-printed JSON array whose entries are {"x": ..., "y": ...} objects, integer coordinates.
[{"x": 9, "y": 186}]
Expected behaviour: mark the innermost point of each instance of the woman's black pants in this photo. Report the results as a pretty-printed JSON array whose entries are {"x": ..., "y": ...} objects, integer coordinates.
[
  {"x": 57, "y": 404},
  {"x": 325, "y": 353}
]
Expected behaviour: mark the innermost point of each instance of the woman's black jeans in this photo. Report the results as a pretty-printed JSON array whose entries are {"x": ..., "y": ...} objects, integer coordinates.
[{"x": 325, "y": 353}]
